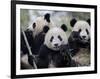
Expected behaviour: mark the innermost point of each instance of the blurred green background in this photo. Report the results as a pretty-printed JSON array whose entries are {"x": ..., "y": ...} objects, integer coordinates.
[{"x": 27, "y": 16}]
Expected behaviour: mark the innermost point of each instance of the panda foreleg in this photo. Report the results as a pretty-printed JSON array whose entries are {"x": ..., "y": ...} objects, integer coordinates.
[
  {"x": 43, "y": 59},
  {"x": 42, "y": 63},
  {"x": 59, "y": 60},
  {"x": 73, "y": 46},
  {"x": 64, "y": 61}
]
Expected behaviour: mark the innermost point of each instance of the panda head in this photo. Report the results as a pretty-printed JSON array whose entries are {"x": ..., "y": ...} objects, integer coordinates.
[
  {"x": 40, "y": 22},
  {"x": 56, "y": 37},
  {"x": 82, "y": 28}
]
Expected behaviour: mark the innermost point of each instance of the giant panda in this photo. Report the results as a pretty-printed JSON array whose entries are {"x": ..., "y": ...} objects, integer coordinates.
[
  {"x": 80, "y": 35},
  {"x": 35, "y": 35},
  {"x": 52, "y": 53},
  {"x": 35, "y": 32}
]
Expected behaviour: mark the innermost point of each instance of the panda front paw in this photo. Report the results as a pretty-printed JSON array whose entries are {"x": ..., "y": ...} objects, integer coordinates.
[
  {"x": 30, "y": 60},
  {"x": 63, "y": 50}
]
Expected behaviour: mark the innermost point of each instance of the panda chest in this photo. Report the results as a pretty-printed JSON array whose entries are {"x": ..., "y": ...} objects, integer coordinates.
[{"x": 52, "y": 63}]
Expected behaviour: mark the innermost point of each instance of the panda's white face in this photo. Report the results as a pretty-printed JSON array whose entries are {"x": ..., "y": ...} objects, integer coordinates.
[
  {"x": 84, "y": 30},
  {"x": 84, "y": 35},
  {"x": 39, "y": 23},
  {"x": 55, "y": 37}
]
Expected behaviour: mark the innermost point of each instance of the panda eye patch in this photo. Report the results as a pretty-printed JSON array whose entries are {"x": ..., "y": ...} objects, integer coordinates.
[
  {"x": 51, "y": 39},
  {"x": 79, "y": 30},
  {"x": 87, "y": 31},
  {"x": 59, "y": 37}
]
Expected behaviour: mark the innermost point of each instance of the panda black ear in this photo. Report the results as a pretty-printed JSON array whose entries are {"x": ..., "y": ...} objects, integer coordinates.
[
  {"x": 89, "y": 21},
  {"x": 47, "y": 17},
  {"x": 34, "y": 25},
  {"x": 64, "y": 27},
  {"x": 45, "y": 29},
  {"x": 72, "y": 22}
]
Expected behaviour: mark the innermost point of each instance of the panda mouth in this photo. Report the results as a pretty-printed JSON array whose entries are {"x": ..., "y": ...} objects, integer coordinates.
[
  {"x": 57, "y": 47},
  {"x": 83, "y": 40}
]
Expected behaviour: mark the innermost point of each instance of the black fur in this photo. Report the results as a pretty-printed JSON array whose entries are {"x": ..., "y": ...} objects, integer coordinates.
[
  {"x": 30, "y": 40},
  {"x": 64, "y": 27},
  {"x": 34, "y": 44},
  {"x": 73, "y": 42},
  {"x": 59, "y": 37},
  {"x": 72, "y": 22},
  {"x": 38, "y": 41},
  {"x": 34, "y": 25},
  {"x": 46, "y": 55},
  {"x": 45, "y": 29},
  {"x": 47, "y": 17},
  {"x": 89, "y": 22}
]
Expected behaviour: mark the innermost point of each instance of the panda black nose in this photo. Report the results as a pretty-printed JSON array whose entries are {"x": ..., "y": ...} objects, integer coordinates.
[
  {"x": 83, "y": 36},
  {"x": 56, "y": 44}
]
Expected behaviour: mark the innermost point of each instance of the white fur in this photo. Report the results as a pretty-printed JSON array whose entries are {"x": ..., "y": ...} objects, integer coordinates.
[
  {"x": 55, "y": 32},
  {"x": 83, "y": 25}
]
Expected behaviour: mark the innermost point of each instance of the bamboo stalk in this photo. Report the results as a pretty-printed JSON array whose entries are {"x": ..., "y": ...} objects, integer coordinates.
[{"x": 29, "y": 49}]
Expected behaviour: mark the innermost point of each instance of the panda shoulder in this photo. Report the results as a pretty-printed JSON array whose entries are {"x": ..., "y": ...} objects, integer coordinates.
[
  {"x": 43, "y": 51},
  {"x": 44, "y": 48}
]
